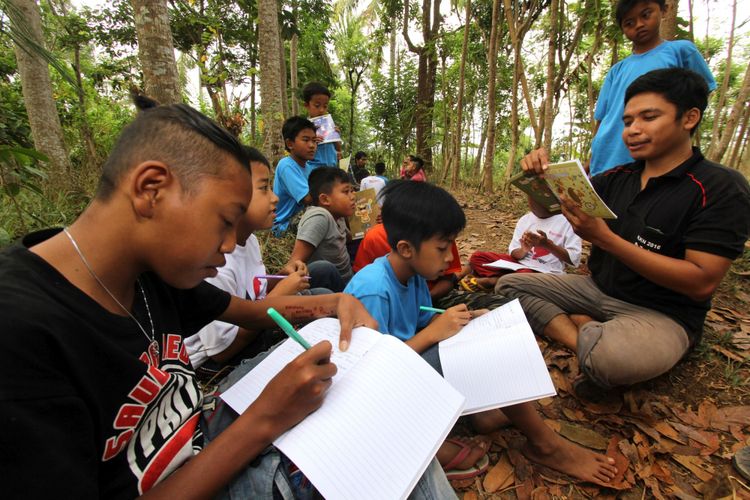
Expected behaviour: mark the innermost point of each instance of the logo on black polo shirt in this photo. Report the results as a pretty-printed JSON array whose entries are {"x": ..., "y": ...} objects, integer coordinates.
[{"x": 157, "y": 424}]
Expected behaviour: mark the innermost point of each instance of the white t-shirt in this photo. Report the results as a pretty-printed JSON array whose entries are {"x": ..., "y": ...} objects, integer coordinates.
[
  {"x": 238, "y": 278},
  {"x": 375, "y": 182},
  {"x": 559, "y": 231}
]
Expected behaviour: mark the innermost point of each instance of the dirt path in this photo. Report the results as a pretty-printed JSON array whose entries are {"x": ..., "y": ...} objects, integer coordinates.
[{"x": 672, "y": 437}]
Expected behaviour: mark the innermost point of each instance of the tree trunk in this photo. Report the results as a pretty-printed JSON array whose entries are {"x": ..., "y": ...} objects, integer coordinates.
[
  {"x": 36, "y": 87},
  {"x": 716, "y": 152},
  {"x": 514, "y": 132},
  {"x": 546, "y": 115},
  {"x": 741, "y": 138},
  {"x": 293, "y": 64},
  {"x": 691, "y": 28},
  {"x": 156, "y": 50},
  {"x": 426, "y": 71},
  {"x": 253, "y": 81},
  {"x": 480, "y": 149},
  {"x": 270, "y": 82},
  {"x": 460, "y": 104},
  {"x": 722, "y": 97},
  {"x": 668, "y": 28},
  {"x": 489, "y": 158}
]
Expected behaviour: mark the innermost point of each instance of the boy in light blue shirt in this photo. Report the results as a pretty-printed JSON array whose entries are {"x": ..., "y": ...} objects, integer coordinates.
[
  {"x": 315, "y": 100},
  {"x": 422, "y": 221},
  {"x": 290, "y": 179},
  {"x": 640, "y": 21}
]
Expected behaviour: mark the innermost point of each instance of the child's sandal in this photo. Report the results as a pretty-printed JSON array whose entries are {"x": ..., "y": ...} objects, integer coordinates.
[{"x": 469, "y": 283}]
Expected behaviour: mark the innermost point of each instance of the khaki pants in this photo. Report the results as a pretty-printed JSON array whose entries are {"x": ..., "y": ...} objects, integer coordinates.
[{"x": 625, "y": 343}]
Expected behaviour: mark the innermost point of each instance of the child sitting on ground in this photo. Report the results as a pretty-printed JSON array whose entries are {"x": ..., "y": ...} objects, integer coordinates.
[
  {"x": 242, "y": 274},
  {"x": 322, "y": 232},
  {"x": 290, "y": 182},
  {"x": 316, "y": 98},
  {"x": 97, "y": 395},
  {"x": 422, "y": 221},
  {"x": 542, "y": 242}
]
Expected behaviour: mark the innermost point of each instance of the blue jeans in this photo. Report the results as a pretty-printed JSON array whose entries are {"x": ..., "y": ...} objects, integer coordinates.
[
  {"x": 323, "y": 274},
  {"x": 267, "y": 473}
]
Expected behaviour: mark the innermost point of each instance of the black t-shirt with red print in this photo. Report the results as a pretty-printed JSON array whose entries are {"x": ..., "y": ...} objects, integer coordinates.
[{"x": 86, "y": 410}]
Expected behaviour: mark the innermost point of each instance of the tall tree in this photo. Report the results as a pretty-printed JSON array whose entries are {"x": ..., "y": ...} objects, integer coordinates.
[
  {"x": 668, "y": 28},
  {"x": 717, "y": 150},
  {"x": 489, "y": 158},
  {"x": 353, "y": 53},
  {"x": 37, "y": 88},
  {"x": 722, "y": 94},
  {"x": 455, "y": 156},
  {"x": 427, "y": 70},
  {"x": 271, "y": 97},
  {"x": 156, "y": 50}
]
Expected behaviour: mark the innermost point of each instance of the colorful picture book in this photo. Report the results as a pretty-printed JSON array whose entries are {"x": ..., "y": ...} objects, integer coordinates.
[
  {"x": 365, "y": 215},
  {"x": 326, "y": 129},
  {"x": 565, "y": 178}
]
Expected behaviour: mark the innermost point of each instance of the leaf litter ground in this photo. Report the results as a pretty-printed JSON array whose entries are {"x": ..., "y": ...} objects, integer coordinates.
[{"x": 672, "y": 437}]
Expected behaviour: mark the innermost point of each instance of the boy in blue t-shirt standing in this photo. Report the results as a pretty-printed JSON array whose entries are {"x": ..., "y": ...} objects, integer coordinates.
[
  {"x": 316, "y": 98},
  {"x": 640, "y": 21},
  {"x": 422, "y": 222},
  {"x": 290, "y": 180}
]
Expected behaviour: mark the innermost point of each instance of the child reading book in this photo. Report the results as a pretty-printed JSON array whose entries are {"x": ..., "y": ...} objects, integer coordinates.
[
  {"x": 541, "y": 242},
  {"x": 97, "y": 395},
  {"x": 290, "y": 181},
  {"x": 322, "y": 232},
  {"x": 316, "y": 98},
  {"x": 422, "y": 221}
]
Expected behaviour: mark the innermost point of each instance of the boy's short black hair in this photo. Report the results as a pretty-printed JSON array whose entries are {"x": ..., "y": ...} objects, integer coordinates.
[
  {"x": 418, "y": 211},
  {"x": 359, "y": 154},
  {"x": 293, "y": 126},
  {"x": 623, "y": 6},
  {"x": 380, "y": 168},
  {"x": 178, "y": 135},
  {"x": 416, "y": 159},
  {"x": 313, "y": 89},
  {"x": 322, "y": 180},
  {"x": 684, "y": 88},
  {"x": 253, "y": 155}
]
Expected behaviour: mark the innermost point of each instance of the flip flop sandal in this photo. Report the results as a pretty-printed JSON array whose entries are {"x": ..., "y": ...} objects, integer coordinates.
[
  {"x": 455, "y": 474},
  {"x": 470, "y": 284},
  {"x": 478, "y": 468}
]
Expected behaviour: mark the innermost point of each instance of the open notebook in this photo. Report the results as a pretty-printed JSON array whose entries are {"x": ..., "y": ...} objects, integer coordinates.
[
  {"x": 381, "y": 423},
  {"x": 494, "y": 361}
]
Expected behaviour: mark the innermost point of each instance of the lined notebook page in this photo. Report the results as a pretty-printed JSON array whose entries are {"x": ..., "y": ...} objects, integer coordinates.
[
  {"x": 494, "y": 361},
  {"x": 248, "y": 388},
  {"x": 381, "y": 423}
]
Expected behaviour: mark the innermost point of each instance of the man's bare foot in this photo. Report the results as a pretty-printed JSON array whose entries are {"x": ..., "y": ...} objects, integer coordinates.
[
  {"x": 489, "y": 421},
  {"x": 473, "y": 450},
  {"x": 580, "y": 319},
  {"x": 564, "y": 456}
]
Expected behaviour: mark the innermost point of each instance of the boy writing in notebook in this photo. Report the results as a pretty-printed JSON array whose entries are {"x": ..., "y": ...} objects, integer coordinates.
[
  {"x": 97, "y": 395},
  {"x": 422, "y": 221},
  {"x": 322, "y": 231},
  {"x": 244, "y": 273},
  {"x": 290, "y": 181},
  {"x": 639, "y": 21}
]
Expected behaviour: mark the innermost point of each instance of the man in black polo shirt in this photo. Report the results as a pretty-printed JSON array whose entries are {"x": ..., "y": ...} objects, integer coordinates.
[{"x": 681, "y": 220}]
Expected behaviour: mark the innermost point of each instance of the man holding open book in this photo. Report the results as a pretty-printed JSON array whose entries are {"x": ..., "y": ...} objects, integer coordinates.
[{"x": 681, "y": 220}]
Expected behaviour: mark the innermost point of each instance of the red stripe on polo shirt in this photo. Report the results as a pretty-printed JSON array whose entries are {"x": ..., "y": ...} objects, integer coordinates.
[{"x": 703, "y": 190}]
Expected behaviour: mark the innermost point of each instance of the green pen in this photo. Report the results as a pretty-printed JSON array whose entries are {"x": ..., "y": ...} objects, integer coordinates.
[
  {"x": 287, "y": 327},
  {"x": 431, "y": 309}
]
